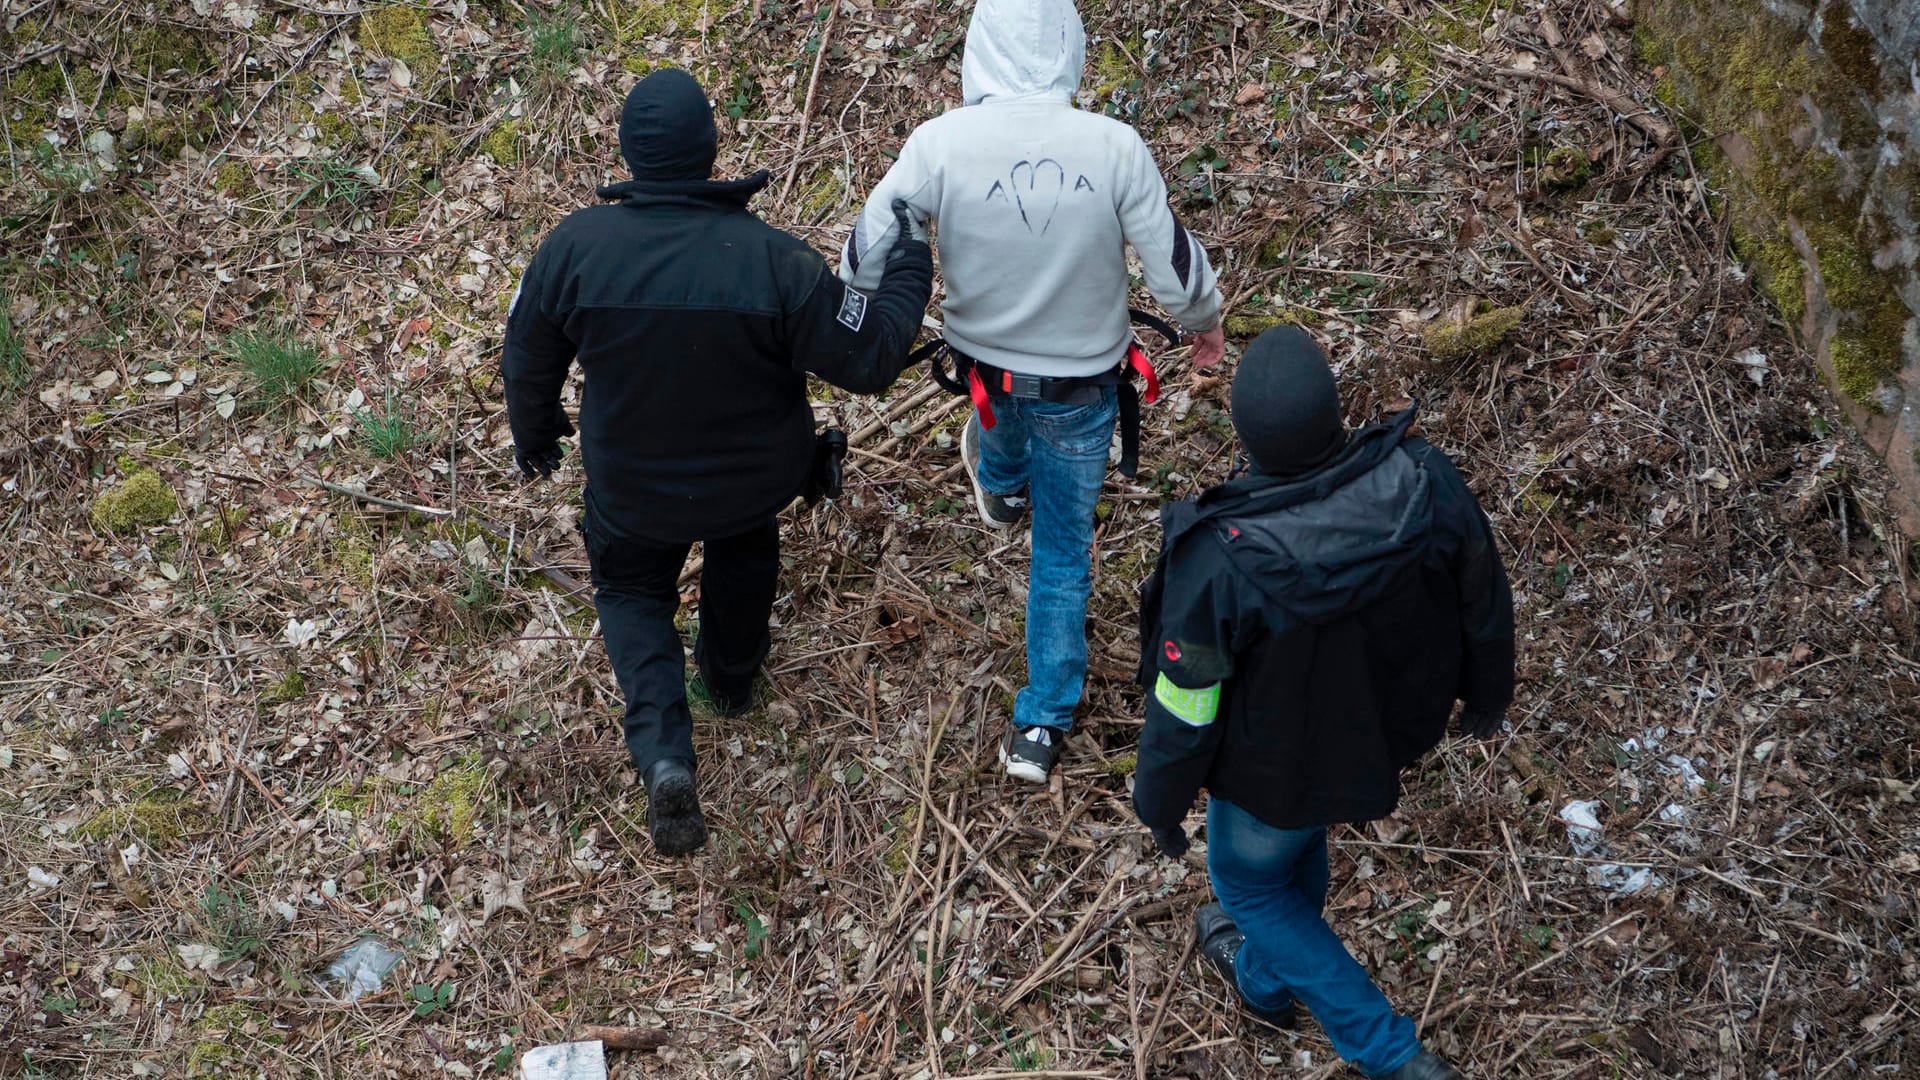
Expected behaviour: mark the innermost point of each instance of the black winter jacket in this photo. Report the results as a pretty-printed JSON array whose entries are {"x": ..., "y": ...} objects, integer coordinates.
[
  {"x": 1341, "y": 614},
  {"x": 695, "y": 324}
]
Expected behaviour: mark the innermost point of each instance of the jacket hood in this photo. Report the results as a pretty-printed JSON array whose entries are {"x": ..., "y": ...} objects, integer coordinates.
[
  {"x": 1023, "y": 48},
  {"x": 726, "y": 193},
  {"x": 1325, "y": 545}
]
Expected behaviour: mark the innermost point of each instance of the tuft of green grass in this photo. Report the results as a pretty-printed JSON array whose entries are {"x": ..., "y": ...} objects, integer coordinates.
[
  {"x": 237, "y": 930},
  {"x": 390, "y": 432},
  {"x": 279, "y": 367},
  {"x": 553, "y": 45}
]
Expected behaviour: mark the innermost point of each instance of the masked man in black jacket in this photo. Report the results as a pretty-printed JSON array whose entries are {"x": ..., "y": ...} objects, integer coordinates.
[
  {"x": 1304, "y": 638},
  {"x": 695, "y": 324}
]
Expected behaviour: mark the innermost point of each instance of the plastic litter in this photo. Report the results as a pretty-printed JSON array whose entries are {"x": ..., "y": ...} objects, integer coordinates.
[
  {"x": 362, "y": 968},
  {"x": 566, "y": 1061}
]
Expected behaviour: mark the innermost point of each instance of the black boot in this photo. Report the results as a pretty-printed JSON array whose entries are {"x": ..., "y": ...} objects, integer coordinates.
[
  {"x": 1425, "y": 1066},
  {"x": 673, "y": 808},
  {"x": 1219, "y": 941}
]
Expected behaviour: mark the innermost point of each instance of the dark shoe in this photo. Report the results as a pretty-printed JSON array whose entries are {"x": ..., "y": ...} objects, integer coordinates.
[
  {"x": 1424, "y": 1066},
  {"x": 673, "y": 808},
  {"x": 728, "y": 706},
  {"x": 998, "y": 511},
  {"x": 1219, "y": 941},
  {"x": 1029, "y": 753}
]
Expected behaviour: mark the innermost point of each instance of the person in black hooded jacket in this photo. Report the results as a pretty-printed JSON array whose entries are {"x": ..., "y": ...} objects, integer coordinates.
[
  {"x": 695, "y": 324},
  {"x": 1304, "y": 637}
]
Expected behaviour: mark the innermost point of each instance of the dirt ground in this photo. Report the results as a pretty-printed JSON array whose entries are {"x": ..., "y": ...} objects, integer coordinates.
[{"x": 256, "y": 257}]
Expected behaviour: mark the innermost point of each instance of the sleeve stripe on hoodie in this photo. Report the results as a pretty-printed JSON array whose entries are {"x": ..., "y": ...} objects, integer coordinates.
[
  {"x": 853, "y": 250},
  {"x": 1182, "y": 252}
]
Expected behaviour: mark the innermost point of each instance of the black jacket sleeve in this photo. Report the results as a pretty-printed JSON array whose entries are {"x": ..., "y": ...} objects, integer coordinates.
[
  {"x": 1486, "y": 605},
  {"x": 852, "y": 340},
  {"x": 1202, "y": 622},
  {"x": 535, "y": 359}
]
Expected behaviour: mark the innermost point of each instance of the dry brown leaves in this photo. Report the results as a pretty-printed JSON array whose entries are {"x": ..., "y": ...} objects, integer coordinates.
[{"x": 233, "y": 744}]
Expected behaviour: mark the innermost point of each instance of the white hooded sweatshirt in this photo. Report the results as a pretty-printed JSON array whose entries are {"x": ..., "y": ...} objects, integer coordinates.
[{"x": 1035, "y": 200}]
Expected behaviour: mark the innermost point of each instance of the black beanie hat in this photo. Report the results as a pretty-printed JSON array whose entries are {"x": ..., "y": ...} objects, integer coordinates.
[
  {"x": 666, "y": 129},
  {"x": 1286, "y": 408}
]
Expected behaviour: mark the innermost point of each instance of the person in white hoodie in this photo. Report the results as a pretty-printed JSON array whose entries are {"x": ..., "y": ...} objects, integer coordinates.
[{"x": 1035, "y": 202}]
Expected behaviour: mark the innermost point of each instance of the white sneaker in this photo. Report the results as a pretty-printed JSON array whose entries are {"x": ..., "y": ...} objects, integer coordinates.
[
  {"x": 998, "y": 511},
  {"x": 1029, "y": 753}
]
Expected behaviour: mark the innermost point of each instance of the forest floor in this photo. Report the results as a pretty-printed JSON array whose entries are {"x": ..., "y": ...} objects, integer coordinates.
[{"x": 253, "y": 248}]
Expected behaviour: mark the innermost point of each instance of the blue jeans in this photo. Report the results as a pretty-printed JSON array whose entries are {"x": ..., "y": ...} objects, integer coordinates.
[
  {"x": 1059, "y": 454},
  {"x": 1273, "y": 882}
]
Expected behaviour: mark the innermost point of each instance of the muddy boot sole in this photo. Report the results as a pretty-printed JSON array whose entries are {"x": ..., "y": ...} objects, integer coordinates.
[{"x": 673, "y": 817}]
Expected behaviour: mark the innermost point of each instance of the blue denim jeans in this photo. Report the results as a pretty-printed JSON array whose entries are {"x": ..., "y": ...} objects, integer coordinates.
[
  {"x": 1273, "y": 882},
  {"x": 1059, "y": 454}
]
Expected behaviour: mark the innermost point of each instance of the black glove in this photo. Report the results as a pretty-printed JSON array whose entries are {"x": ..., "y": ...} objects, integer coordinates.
[
  {"x": 904, "y": 245},
  {"x": 1172, "y": 841},
  {"x": 538, "y": 463},
  {"x": 1483, "y": 723},
  {"x": 823, "y": 479}
]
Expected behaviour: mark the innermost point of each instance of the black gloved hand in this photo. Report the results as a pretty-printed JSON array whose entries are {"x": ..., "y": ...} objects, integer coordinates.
[
  {"x": 904, "y": 245},
  {"x": 538, "y": 463},
  {"x": 1172, "y": 841},
  {"x": 1483, "y": 723},
  {"x": 823, "y": 478}
]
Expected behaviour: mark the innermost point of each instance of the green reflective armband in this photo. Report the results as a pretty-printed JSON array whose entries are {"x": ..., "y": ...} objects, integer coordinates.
[{"x": 1193, "y": 707}]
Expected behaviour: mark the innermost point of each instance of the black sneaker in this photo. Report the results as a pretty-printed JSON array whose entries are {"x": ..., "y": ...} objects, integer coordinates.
[
  {"x": 1030, "y": 752},
  {"x": 998, "y": 511},
  {"x": 1219, "y": 941},
  {"x": 1425, "y": 1066},
  {"x": 673, "y": 808},
  {"x": 725, "y": 705}
]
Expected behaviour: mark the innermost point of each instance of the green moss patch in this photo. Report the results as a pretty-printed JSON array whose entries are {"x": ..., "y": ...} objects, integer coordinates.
[
  {"x": 140, "y": 499},
  {"x": 157, "y": 820},
  {"x": 503, "y": 143},
  {"x": 399, "y": 32},
  {"x": 1450, "y": 338},
  {"x": 451, "y": 804}
]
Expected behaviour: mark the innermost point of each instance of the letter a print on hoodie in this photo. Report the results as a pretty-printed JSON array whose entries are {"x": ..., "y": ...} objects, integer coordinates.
[{"x": 1035, "y": 199}]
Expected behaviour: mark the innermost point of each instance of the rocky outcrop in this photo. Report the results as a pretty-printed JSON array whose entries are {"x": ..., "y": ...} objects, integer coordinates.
[{"x": 1811, "y": 116}]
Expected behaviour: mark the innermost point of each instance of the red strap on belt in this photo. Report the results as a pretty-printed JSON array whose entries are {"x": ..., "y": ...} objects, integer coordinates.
[
  {"x": 1138, "y": 361},
  {"x": 977, "y": 390}
]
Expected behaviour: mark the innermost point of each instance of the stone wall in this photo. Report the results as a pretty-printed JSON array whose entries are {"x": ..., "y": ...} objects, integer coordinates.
[{"x": 1810, "y": 112}]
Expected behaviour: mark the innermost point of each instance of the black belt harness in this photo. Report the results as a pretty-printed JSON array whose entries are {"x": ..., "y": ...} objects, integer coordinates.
[{"x": 981, "y": 381}]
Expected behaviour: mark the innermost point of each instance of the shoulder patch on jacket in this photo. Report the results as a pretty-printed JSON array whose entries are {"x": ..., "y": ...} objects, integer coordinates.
[
  {"x": 853, "y": 310},
  {"x": 1195, "y": 708}
]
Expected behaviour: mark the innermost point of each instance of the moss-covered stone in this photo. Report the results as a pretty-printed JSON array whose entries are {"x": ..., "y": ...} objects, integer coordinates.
[
  {"x": 1815, "y": 187},
  {"x": 1451, "y": 337},
  {"x": 1245, "y": 327},
  {"x": 141, "y": 498},
  {"x": 1565, "y": 168}
]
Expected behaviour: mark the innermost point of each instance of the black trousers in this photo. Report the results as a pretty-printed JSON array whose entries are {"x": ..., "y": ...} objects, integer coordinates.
[{"x": 636, "y": 590}]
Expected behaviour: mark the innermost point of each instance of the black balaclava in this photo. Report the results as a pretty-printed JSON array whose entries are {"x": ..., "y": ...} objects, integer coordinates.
[
  {"x": 666, "y": 128},
  {"x": 1285, "y": 406}
]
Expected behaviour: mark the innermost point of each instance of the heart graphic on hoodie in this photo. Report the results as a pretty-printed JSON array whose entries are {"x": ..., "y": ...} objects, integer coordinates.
[{"x": 1044, "y": 183}]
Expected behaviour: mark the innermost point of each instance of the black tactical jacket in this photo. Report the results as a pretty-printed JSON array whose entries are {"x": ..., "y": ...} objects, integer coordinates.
[
  {"x": 1341, "y": 615},
  {"x": 695, "y": 324}
]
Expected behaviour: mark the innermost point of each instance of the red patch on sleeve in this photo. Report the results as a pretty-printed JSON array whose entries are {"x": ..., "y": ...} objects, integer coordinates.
[{"x": 1173, "y": 651}]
